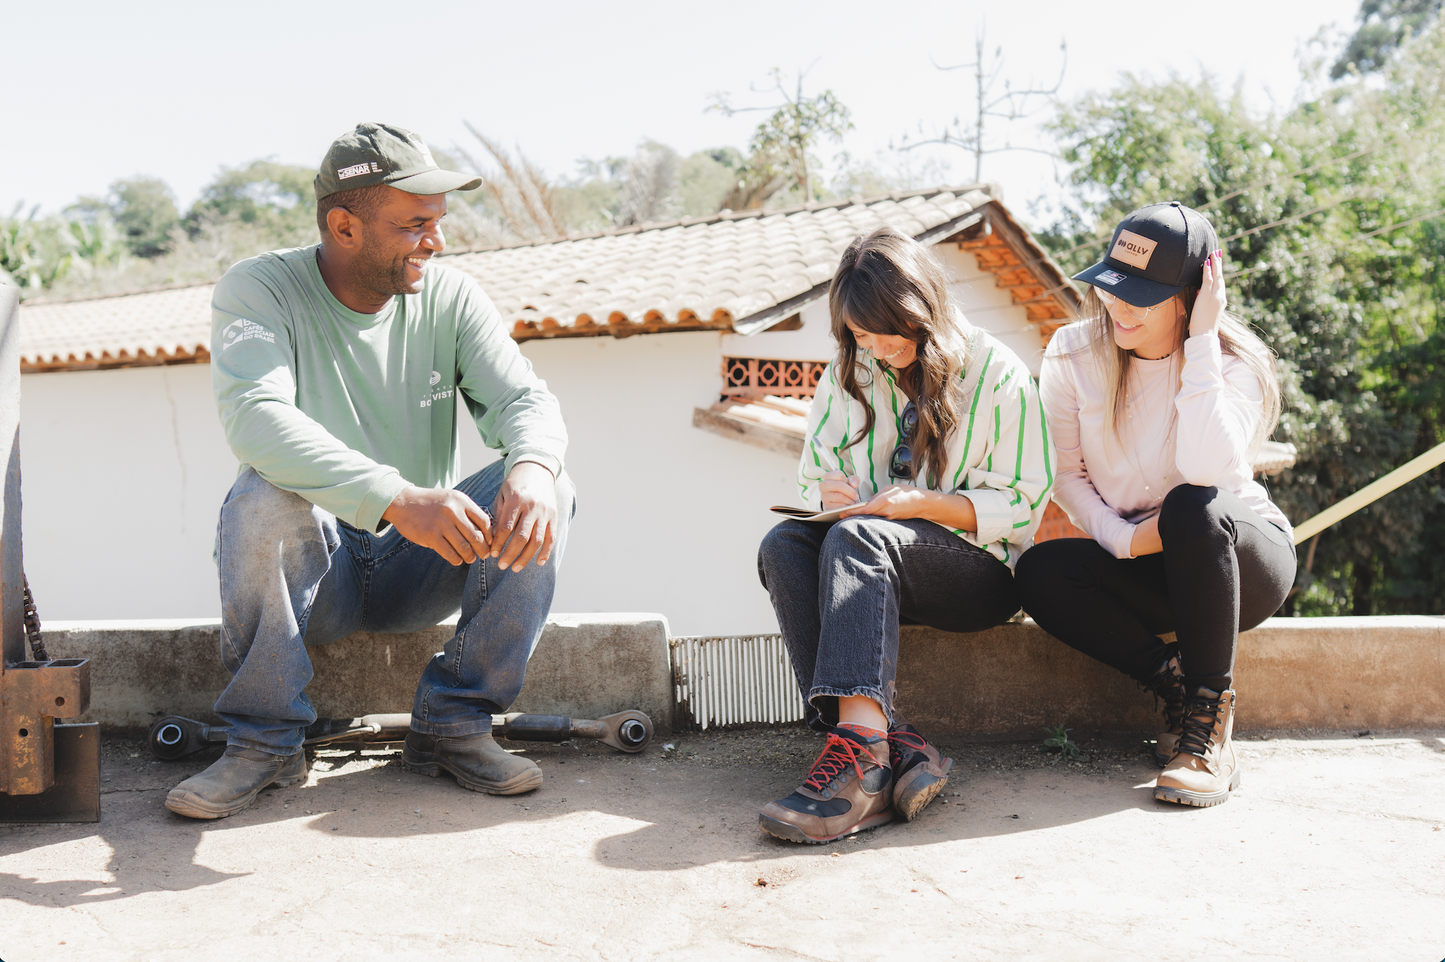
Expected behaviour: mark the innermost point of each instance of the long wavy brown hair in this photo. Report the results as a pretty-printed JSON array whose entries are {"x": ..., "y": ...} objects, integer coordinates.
[{"x": 888, "y": 283}]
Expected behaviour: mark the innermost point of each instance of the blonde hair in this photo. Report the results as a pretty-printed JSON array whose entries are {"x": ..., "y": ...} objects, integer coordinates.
[
  {"x": 888, "y": 283},
  {"x": 1235, "y": 338}
]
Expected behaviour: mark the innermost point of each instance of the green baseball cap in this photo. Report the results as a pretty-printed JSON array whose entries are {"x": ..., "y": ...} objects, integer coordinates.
[{"x": 382, "y": 154}]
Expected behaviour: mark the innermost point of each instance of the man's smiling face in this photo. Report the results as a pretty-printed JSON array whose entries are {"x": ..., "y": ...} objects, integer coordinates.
[{"x": 398, "y": 241}]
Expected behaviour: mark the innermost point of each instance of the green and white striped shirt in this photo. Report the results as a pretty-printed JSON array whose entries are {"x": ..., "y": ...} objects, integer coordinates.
[{"x": 1000, "y": 457}]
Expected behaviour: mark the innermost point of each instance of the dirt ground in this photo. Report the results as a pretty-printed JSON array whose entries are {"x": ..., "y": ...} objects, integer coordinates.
[{"x": 1331, "y": 849}]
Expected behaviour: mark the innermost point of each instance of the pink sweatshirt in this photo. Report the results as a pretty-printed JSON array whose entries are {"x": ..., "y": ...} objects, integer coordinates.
[{"x": 1109, "y": 485}]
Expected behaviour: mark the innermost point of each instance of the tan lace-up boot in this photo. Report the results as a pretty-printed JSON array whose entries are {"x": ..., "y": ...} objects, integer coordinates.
[{"x": 1204, "y": 769}]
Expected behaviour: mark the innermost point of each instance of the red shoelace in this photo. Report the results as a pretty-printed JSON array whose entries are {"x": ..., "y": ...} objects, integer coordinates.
[
  {"x": 838, "y": 753},
  {"x": 909, "y": 741}
]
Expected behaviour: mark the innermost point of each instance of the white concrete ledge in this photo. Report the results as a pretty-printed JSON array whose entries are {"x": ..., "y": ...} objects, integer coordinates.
[
  {"x": 585, "y": 666},
  {"x": 1328, "y": 673}
]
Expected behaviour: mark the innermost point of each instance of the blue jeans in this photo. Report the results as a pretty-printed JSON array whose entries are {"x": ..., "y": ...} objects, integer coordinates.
[
  {"x": 841, "y": 590},
  {"x": 292, "y": 575}
]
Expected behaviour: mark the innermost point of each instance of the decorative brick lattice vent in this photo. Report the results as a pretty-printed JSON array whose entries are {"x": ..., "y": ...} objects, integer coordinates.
[{"x": 754, "y": 377}]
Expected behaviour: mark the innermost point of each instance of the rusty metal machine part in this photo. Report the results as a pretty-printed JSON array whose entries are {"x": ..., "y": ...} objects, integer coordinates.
[
  {"x": 49, "y": 772},
  {"x": 627, "y": 731}
]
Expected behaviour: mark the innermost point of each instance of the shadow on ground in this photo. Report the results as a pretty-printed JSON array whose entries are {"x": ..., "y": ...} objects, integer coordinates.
[{"x": 691, "y": 804}]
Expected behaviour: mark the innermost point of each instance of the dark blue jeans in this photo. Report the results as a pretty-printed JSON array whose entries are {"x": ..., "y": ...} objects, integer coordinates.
[
  {"x": 841, "y": 590},
  {"x": 1223, "y": 570},
  {"x": 292, "y": 576}
]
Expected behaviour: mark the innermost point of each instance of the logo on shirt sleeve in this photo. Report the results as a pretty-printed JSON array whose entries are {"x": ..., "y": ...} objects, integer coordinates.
[{"x": 244, "y": 330}]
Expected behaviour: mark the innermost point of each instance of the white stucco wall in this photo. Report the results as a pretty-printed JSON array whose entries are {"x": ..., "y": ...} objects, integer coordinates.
[
  {"x": 669, "y": 516},
  {"x": 124, "y": 471}
]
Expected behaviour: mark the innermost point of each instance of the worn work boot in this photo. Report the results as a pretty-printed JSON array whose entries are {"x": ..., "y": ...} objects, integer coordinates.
[
  {"x": 233, "y": 781},
  {"x": 919, "y": 770},
  {"x": 476, "y": 761},
  {"x": 1204, "y": 769},
  {"x": 1167, "y": 685},
  {"x": 848, "y": 789}
]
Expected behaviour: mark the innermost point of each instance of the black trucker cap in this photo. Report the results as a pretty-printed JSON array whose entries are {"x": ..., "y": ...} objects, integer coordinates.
[
  {"x": 1156, "y": 252},
  {"x": 382, "y": 154}
]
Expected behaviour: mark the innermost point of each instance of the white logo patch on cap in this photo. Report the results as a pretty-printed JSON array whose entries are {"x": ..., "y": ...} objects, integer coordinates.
[
  {"x": 1133, "y": 249},
  {"x": 356, "y": 170},
  {"x": 1111, "y": 277}
]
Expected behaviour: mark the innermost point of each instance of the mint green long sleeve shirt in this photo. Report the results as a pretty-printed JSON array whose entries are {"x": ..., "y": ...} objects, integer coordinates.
[{"x": 347, "y": 409}]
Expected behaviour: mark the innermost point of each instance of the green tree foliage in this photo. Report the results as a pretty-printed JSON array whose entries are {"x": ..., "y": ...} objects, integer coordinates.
[
  {"x": 706, "y": 178},
  {"x": 1384, "y": 25},
  {"x": 134, "y": 238},
  {"x": 276, "y": 198},
  {"x": 32, "y": 252},
  {"x": 779, "y": 150},
  {"x": 144, "y": 210},
  {"x": 37, "y": 253},
  {"x": 1331, "y": 219}
]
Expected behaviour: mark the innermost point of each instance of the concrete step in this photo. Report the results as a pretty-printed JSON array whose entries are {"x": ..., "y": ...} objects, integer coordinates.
[
  {"x": 1339, "y": 674},
  {"x": 1327, "y": 673},
  {"x": 585, "y": 666}
]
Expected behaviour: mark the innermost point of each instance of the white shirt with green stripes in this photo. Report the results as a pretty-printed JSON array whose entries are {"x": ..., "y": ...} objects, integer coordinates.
[{"x": 1000, "y": 457}]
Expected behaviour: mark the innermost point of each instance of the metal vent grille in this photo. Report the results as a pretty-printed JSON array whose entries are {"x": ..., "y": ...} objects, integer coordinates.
[{"x": 733, "y": 680}]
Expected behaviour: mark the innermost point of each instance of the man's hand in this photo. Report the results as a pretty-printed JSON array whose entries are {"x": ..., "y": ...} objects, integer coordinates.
[
  {"x": 526, "y": 517},
  {"x": 837, "y": 490},
  {"x": 442, "y": 519}
]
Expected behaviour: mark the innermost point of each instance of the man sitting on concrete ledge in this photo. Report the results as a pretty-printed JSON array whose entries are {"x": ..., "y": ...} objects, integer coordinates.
[{"x": 340, "y": 371}]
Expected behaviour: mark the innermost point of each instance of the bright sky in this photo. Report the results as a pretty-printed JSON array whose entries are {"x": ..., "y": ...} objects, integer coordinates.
[{"x": 104, "y": 90}]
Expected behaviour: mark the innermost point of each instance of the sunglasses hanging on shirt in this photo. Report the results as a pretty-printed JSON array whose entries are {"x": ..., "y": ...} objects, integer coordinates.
[{"x": 900, "y": 464}]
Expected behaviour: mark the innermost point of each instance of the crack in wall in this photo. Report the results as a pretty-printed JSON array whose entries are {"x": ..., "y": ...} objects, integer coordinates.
[{"x": 176, "y": 437}]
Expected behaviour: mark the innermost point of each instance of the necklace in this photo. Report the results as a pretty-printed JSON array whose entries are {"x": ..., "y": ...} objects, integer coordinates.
[{"x": 1168, "y": 472}]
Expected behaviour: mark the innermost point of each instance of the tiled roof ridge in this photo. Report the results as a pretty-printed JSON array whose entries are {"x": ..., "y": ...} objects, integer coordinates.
[
  {"x": 722, "y": 215},
  {"x": 155, "y": 289},
  {"x": 703, "y": 274},
  {"x": 992, "y": 190}
]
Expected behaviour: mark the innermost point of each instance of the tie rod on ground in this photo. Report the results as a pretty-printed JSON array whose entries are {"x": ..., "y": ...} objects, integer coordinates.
[{"x": 627, "y": 731}]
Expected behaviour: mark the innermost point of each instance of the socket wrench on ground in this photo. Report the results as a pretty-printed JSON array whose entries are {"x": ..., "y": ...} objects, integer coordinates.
[{"x": 627, "y": 731}]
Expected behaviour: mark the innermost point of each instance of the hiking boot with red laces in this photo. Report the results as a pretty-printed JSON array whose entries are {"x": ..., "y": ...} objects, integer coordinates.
[
  {"x": 919, "y": 770},
  {"x": 848, "y": 789}
]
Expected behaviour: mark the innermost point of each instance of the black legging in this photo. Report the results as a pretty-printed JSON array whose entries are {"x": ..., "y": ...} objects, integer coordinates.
[{"x": 1223, "y": 570}]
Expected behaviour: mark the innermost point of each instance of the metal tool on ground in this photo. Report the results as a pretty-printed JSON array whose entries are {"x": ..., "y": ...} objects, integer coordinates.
[
  {"x": 48, "y": 772},
  {"x": 627, "y": 731}
]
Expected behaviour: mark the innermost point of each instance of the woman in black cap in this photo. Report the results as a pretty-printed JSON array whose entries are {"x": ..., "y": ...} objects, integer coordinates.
[{"x": 1157, "y": 401}]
